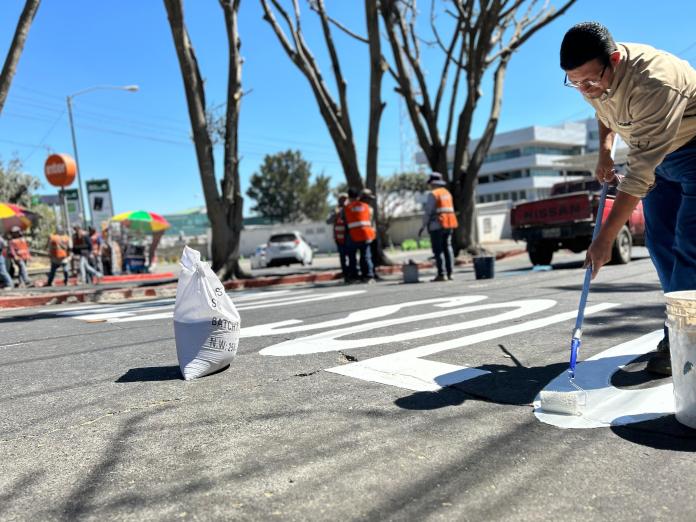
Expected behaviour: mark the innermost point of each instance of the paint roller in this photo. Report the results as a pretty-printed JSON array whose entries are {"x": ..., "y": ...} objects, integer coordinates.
[{"x": 570, "y": 402}]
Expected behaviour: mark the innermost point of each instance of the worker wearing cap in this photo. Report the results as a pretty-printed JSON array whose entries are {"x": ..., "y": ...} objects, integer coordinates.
[
  {"x": 648, "y": 97},
  {"x": 4, "y": 275},
  {"x": 361, "y": 234},
  {"x": 337, "y": 219},
  {"x": 440, "y": 221},
  {"x": 20, "y": 255}
]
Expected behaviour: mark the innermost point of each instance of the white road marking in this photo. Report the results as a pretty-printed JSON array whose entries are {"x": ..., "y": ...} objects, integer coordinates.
[
  {"x": 164, "y": 309},
  {"x": 606, "y": 404},
  {"x": 284, "y": 327},
  {"x": 408, "y": 369},
  {"x": 329, "y": 341}
]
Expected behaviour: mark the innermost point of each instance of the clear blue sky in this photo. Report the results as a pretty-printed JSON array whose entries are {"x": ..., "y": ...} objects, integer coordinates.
[{"x": 140, "y": 141}]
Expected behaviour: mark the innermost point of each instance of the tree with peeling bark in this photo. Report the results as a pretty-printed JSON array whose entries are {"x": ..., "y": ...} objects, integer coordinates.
[
  {"x": 482, "y": 37},
  {"x": 334, "y": 107},
  {"x": 16, "y": 47},
  {"x": 224, "y": 205}
]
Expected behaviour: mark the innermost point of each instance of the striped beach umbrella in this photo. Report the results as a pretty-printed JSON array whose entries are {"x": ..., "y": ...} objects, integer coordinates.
[
  {"x": 142, "y": 221},
  {"x": 12, "y": 215}
]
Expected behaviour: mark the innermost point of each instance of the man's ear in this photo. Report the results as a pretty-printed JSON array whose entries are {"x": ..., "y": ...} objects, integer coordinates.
[{"x": 615, "y": 58}]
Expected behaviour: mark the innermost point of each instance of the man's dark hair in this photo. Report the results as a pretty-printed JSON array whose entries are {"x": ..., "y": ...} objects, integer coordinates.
[
  {"x": 353, "y": 193},
  {"x": 585, "y": 42}
]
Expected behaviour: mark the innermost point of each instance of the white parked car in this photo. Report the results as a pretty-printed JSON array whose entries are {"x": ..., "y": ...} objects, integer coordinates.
[
  {"x": 288, "y": 247},
  {"x": 258, "y": 258}
]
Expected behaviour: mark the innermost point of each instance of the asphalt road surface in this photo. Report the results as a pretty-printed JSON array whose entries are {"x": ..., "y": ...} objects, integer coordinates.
[{"x": 363, "y": 402}]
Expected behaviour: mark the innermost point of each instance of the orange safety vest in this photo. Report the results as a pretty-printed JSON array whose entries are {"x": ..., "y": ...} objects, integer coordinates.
[
  {"x": 359, "y": 221},
  {"x": 19, "y": 246},
  {"x": 339, "y": 228},
  {"x": 445, "y": 208},
  {"x": 58, "y": 246}
]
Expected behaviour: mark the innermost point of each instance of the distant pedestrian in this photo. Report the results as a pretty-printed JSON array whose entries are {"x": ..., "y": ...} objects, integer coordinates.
[
  {"x": 81, "y": 248},
  {"x": 337, "y": 218},
  {"x": 20, "y": 255},
  {"x": 440, "y": 221},
  {"x": 5, "y": 278},
  {"x": 95, "y": 252},
  {"x": 59, "y": 253},
  {"x": 361, "y": 232}
]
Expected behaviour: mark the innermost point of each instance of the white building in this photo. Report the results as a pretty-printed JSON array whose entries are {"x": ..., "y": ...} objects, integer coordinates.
[{"x": 523, "y": 164}]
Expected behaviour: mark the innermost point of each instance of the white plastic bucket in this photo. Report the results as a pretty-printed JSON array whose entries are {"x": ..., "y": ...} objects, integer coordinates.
[{"x": 681, "y": 320}]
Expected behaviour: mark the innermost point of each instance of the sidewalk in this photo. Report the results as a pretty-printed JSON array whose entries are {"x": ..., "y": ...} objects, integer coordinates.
[{"x": 161, "y": 284}]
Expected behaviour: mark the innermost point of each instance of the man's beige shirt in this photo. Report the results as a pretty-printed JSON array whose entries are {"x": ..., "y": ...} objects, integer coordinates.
[{"x": 651, "y": 104}]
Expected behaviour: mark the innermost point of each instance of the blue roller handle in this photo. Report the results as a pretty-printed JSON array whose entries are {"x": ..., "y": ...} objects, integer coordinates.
[{"x": 577, "y": 332}]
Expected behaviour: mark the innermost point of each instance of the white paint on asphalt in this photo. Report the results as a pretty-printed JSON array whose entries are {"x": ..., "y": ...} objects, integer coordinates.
[
  {"x": 606, "y": 404},
  {"x": 285, "y": 327},
  {"x": 408, "y": 369},
  {"x": 330, "y": 341},
  {"x": 164, "y": 309}
]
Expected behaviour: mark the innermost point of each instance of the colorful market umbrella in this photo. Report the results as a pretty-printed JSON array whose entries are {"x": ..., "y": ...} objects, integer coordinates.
[
  {"x": 12, "y": 215},
  {"x": 142, "y": 221}
]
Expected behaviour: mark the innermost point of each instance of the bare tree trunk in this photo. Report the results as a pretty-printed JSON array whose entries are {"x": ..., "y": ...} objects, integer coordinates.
[
  {"x": 224, "y": 213},
  {"x": 485, "y": 33},
  {"x": 20, "y": 37},
  {"x": 233, "y": 202}
]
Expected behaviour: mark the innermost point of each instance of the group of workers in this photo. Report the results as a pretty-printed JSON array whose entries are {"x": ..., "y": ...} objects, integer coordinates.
[
  {"x": 87, "y": 249},
  {"x": 354, "y": 230}
]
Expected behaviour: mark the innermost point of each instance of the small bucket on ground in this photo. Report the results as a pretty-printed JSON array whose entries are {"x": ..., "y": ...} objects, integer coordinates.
[
  {"x": 410, "y": 272},
  {"x": 484, "y": 267},
  {"x": 681, "y": 320}
]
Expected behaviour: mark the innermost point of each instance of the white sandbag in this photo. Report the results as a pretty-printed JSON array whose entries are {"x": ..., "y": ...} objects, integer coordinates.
[{"x": 206, "y": 322}]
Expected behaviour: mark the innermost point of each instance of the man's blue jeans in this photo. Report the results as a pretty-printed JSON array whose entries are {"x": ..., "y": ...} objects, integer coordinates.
[
  {"x": 343, "y": 258},
  {"x": 366, "y": 267},
  {"x": 670, "y": 220},
  {"x": 4, "y": 275},
  {"x": 441, "y": 243}
]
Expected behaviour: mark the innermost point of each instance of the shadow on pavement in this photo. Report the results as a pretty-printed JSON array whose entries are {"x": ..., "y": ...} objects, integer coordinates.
[
  {"x": 152, "y": 374},
  {"x": 604, "y": 288},
  {"x": 665, "y": 433}
]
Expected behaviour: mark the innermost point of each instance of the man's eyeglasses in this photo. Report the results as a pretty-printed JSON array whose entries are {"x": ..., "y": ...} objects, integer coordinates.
[{"x": 584, "y": 84}]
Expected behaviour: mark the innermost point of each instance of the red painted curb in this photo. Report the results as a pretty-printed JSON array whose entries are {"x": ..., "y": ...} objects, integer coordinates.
[
  {"x": 37, "y": 300},
  {"x": 126, "y": 278}
]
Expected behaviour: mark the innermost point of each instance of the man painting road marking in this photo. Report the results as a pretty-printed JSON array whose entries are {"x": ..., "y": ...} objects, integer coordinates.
[{"x": 607, "y": 405}]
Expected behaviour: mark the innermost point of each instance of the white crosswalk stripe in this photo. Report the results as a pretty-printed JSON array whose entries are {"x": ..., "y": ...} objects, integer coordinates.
[{"x": 164, "y": 308}]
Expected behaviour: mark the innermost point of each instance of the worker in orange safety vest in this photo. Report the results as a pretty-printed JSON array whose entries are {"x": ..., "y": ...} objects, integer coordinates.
[
  {"x": 337, "y": 218},
  {"x": 361, "y": 233},
  {"x": 20, "y": 255},
  {"x": 59, "y": 253},
  {"x": 440, "y": 220}
]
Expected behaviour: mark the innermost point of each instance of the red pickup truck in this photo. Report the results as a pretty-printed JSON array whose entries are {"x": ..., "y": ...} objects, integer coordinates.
[{"x": 566, "y": 220}]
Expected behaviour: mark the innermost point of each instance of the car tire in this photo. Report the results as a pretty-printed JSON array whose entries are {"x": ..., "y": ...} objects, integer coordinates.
[
  {"x": 621, "y": 249},
  {"x": 540, "y": 253}
]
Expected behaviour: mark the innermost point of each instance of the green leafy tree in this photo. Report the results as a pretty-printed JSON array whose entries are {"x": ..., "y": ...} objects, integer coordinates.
[
  {"x": 17, "y": 187},
  {"x": 283, "y": 192}
]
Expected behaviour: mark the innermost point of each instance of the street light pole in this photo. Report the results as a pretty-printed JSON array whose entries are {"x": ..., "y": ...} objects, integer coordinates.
[
  {"x": 69, "y": 99},
  {"x": 77, "y": 162}
]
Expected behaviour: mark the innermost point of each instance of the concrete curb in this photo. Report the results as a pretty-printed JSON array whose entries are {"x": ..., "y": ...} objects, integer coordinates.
[{"x": 97, "y": 295}]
